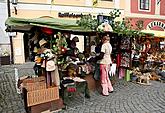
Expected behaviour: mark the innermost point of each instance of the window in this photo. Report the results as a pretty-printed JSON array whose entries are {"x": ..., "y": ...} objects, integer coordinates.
[{"x": 144, "y": 4}]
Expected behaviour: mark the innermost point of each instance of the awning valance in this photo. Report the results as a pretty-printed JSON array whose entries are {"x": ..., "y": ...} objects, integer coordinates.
[
  {"x": 160, "y": 34},
  {"x": 21, "y": 24}
]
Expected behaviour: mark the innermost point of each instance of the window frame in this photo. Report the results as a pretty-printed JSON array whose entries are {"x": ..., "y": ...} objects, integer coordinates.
[{"x": 144, "y": 9}]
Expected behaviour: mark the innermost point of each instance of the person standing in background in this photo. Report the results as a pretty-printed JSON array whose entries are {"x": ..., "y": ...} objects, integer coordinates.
[{"x": 105, "y": 63}]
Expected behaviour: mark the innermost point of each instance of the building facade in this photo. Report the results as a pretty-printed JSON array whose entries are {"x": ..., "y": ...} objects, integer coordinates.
[
  {"x": 69, "y": 9},
  {"x": 150, "y": 12}
]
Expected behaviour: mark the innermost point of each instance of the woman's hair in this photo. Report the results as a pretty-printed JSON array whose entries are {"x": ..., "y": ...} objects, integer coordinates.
[{"x": 106, "y": 37}]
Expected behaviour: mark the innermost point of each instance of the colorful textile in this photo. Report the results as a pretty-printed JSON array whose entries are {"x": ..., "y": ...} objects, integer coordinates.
[
  {"x": 112, "y": 71},
  {"x": 121, "y": 73}
]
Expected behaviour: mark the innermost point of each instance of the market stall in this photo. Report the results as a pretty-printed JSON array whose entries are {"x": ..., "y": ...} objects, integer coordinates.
[
  {"x": 66, "y": 68},
  {"x": 56, "y": 56},
  {"x": 148, "y": 56}
]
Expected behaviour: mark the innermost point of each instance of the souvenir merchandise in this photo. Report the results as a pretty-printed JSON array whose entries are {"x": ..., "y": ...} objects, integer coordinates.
[{"x": 42, "y": 42}]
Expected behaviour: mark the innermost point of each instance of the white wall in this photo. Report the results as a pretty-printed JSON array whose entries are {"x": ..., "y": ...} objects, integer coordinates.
[
  {"x": 4, "y": 39},
  {"x": 80, "y": 44}
]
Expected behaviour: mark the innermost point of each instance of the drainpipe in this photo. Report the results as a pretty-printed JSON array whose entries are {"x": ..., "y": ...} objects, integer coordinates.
[{"x": 11, "y": 41}]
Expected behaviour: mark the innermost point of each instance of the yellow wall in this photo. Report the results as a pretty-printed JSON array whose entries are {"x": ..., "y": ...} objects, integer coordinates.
[
  {"x": 122, "y": 4},
  {"x": 105, "y": 4},
  {"x": 70, "y": 2},
  {"x": 59, "y": 2},
  {"x": 33, "y": 1},
  {"x": 31, "y": 13},
  {"x": 18, "y": 49},
  {"x": 36, "y": 14}
]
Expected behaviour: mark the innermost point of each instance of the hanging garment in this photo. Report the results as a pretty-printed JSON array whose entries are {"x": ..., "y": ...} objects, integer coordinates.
[
  {"x": 112, "y": 71},
  {"x": 121, "y": 73},
  {"x": 55, "y": 77},
  {"x": 97, "y": 72}
]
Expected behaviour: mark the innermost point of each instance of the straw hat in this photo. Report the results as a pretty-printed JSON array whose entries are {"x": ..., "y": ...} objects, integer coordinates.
[{"x": 42, "y": 42}]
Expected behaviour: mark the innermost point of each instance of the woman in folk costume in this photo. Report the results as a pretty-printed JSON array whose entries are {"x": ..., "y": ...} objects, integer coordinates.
[
  {"x": 105, "y": 62},
  {"x": 52, "y": 68},
  {"x": 52, "y": 74}
]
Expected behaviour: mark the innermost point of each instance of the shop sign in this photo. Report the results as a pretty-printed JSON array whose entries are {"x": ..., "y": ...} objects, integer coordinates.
[
  {"x": 156, "y": 23},
  {"x": 69, "y": 15}
]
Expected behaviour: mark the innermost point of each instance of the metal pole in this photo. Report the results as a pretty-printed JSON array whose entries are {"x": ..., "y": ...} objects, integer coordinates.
[
  {"x": 8, "y": 8},
  {"x": 11, "y": 41}
]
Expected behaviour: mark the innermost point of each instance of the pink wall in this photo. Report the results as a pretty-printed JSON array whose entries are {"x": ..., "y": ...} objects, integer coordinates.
[
  {"x": 134, "y": 7},
  {"x": 162, "y": 7},
  {"x": 146, "y": 22}
]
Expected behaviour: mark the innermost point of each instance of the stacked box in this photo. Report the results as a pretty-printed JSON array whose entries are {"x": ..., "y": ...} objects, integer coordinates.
[{"x": 37, "y": 91}]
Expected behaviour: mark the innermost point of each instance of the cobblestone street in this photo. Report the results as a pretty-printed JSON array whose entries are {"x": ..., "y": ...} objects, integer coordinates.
[{"x": 128, "y": 97}]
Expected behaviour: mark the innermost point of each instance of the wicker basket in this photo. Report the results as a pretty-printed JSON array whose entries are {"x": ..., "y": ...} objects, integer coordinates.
[{"x": 42, "y": 96}]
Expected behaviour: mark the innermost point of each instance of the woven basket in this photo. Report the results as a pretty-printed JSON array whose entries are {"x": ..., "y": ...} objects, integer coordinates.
[{"x": 42, "y": 96}]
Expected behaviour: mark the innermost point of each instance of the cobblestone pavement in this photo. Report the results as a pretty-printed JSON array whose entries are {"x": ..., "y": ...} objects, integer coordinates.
[{"x": 128, "y": 97}]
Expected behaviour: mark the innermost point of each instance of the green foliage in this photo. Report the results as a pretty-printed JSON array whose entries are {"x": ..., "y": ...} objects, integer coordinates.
[
  {"x": 123, "y": 28},
  {"x": 87, "y": 22}
]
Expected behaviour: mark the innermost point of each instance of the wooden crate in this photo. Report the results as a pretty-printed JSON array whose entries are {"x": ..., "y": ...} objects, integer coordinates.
[
  {"x": 51, "y": 106},
  {"x": 42, "y": 96}
]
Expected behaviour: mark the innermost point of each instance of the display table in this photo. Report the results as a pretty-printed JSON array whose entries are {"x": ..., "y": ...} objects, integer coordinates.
[{"x": 70, "y": 90}]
